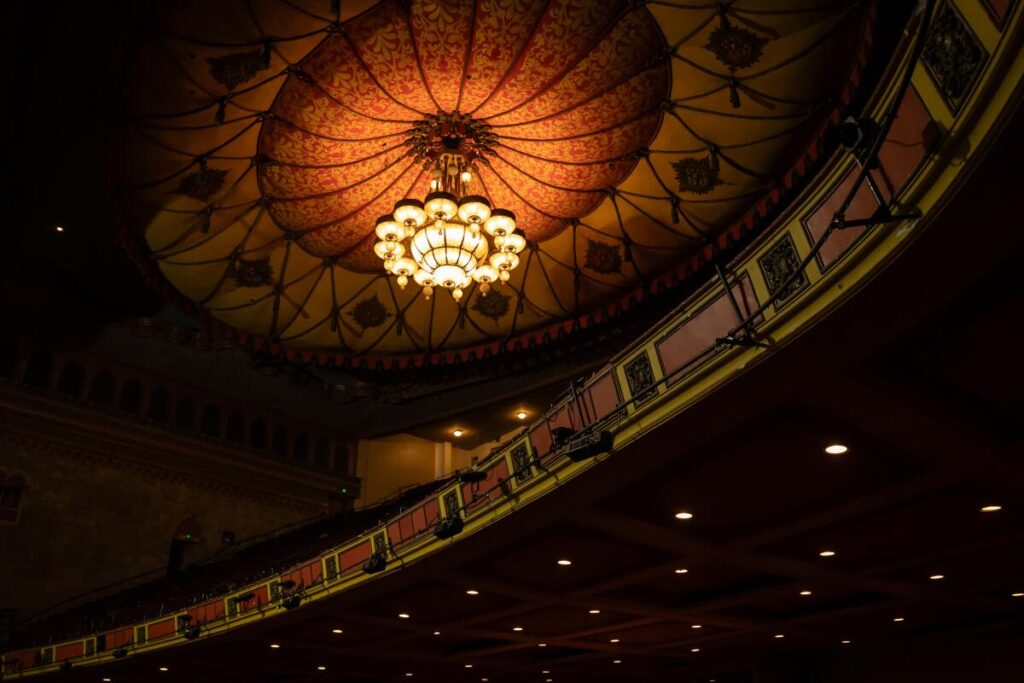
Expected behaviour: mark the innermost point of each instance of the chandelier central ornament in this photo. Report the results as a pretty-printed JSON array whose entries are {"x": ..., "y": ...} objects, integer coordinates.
[{"x": 442, "y": 240}]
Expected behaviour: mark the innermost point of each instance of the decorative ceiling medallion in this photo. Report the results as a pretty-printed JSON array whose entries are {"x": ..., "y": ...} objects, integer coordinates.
[
  {"x": 369, "y": 313},
  {"x": 697, "y": 175},
  {"x": 235, "y": 69},
  {"x": 202, "y": 183},
  {"x": 493, "y": 305},
  {"x": 735, "y": 47},
  {"x": 603, "y": 257}
]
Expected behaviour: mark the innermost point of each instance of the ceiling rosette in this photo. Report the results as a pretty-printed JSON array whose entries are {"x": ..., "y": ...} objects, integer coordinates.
[{"x": 267, "y": 137}]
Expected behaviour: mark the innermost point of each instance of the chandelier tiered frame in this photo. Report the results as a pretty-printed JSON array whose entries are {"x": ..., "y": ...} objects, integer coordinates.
[{"x": 442, "y": 241}]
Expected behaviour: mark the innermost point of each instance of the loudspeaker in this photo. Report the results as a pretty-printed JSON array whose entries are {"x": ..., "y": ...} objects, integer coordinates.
[
  {"x": 378, "y": 562},
  {"x": 588, "y": 445},
  {"x": 448, "y": 527}
]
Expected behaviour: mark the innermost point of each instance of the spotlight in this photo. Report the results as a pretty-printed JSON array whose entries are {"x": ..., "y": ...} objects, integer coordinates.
[
  {"x": 855, "y": 135},
  {"x": 292, "y": 601},
  {"x": 457, "y": 433},
  {"x": 561, "y": 435},
  {"x": 522, "y": 414},
  {"x": 377, "y": 563},
  {"x": 449, "y": 527}
]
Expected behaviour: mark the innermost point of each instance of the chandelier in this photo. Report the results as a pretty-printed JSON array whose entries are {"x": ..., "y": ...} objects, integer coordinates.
[{"x": 442, "y": 241}]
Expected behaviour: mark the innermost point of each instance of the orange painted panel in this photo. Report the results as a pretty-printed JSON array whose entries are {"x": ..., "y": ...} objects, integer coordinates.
[
  {"x": 209, "y": 611},
  {"x": 601, "y": 397},
  {"x": 161, "y": 629},
  {"x": 68, "y": 650},
  {"x": 909, "y": 140},
  {"x": 480, "y": 493},
  {"x": 115, "y": 639},
  {"x": 353, "y": 558},
  {"x": 862, "y": 206},
  {"x": 699, "y": 333}
]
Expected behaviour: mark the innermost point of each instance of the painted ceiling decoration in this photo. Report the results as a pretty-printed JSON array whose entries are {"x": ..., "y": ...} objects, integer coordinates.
[{"x": 628, "y": 138}]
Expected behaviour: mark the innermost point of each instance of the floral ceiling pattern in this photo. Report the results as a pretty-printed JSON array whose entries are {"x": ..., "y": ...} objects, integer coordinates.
[{"x": 625, "y": 136}]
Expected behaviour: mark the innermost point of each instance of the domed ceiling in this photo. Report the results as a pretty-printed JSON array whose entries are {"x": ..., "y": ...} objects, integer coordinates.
[{"x": 267, "y": 137}]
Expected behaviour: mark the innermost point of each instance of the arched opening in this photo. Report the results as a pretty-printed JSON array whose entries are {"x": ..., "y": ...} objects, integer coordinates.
[
  {"x": 210, "y": 425},
  {"x": 185, "y": 413},
  {"x": 131, "y": 396},
  {"x": 37, "y": 373},
  {"x": 258, "y": 434},
  {"x": 158, "y": 405},
  {"x": 11, "y": 492},
  {"x": 8, "y": 357},
  {"x": 71, "y": 380},
  {"x": 322, "y": 453},
  {"x": 187, "y": 535},
  {"x": 102, "y": 390},
  {"x": 340, "y": 463},
  {"x": 279, "y": 444},
  {"x": 235, "y": 431},
  {"x": 300, "y": 449}
]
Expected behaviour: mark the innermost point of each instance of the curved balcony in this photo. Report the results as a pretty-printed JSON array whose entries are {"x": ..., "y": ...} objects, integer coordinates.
[{"x": 613, "y": 441}]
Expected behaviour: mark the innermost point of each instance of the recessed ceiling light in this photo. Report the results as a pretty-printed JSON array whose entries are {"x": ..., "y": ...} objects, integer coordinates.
[
  {"x": 59, "y": 228},
  {"x": 805, "y": 593},
  {"x": 275, "y": 646},
  {"x": 836, "y": 449},
  {"x": 542, "y": 644},
  {"x": 1017, "y": 595},
  {"x": 780, "y": 635},
  {"x": 846, "y": 642},
  {"x": 595, "y": 611},
  {"x": 163, "y": 668},
  {"x": 106, "y": 680},
  {"x": 403, "y": 615},
  {"x": 614, "y": 640},
  {"x": 321, "y": 668},
  {"x": 898, "y": 619},
  {"x": 992, "y": 508},
  {"x": 696, "y": 626},
  {"x": 472, "y": 591},
  {"x": 337, "y": 631},
  {"x": 437, "y": 633},
  {"x": 517, "y": 628},
  {"x": 565, "y": 563},
  {"x": 545, "y": 671},
  {"x": 522, "y": 414},
  {"x": 616, "y": 661},
  {"x": 936, "y": 577},
  {"x": 548, "y": 680},
  {"x": 682, "y": 571},
  {"x": 827, "y": 553},
  {"x": 683, "y": 514},
  {"x": 484, "y": 680},
  {"x": 694, "y": 649},
  {"x": 408, "y": 674},
  {"x": 469, "y": 666}
]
